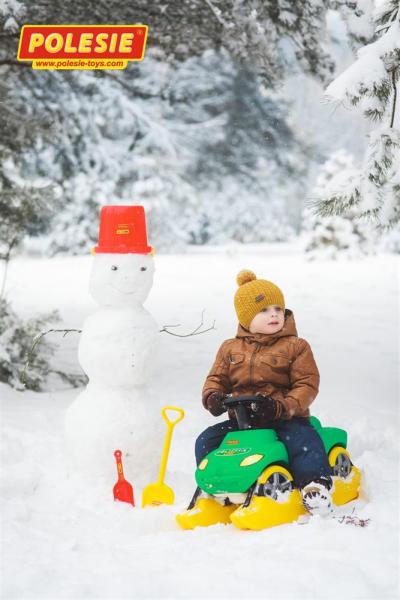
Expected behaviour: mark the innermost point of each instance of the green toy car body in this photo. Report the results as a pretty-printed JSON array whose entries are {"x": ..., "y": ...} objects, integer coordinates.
[{"x": 243, "y": 455}]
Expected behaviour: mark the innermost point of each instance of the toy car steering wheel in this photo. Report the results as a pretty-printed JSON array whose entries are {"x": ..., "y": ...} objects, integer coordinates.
[
  {"x": 232, "y": 401},
  {"x": 240, "y": 405}
]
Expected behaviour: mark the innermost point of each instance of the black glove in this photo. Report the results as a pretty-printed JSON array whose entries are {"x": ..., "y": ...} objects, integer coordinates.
[
  {"x": 267, "y": 408},
  {"x": 215, "y": 404}
]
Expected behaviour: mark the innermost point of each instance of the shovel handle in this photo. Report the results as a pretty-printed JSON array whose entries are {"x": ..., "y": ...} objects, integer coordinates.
[
  {"x": 118, "y": 455},
  {"x": 173, "y": 421},
  {"x": 167, "y": 443}
]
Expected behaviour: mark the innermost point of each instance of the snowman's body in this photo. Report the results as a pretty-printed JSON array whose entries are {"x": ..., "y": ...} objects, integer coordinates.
[
  {"x": 117, "y": 352},
  {"x": 116, "y": 346}
]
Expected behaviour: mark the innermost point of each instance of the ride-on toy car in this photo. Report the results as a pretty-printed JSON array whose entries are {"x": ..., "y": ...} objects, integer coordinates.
[{"x": 247, "y": 480}]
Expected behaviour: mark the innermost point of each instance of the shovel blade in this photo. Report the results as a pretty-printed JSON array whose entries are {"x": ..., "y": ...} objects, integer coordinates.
[
  {"x": 156, "y": 494},
  {"x": 123, "y": 491}
]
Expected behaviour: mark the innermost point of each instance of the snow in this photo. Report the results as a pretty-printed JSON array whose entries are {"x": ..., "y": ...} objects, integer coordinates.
[
  {"x": 11, "y": 6},
  {"x": 66, "y": 538}
]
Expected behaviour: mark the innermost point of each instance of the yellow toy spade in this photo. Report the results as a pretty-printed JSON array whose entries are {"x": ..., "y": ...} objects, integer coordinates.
[{"x": 160, "y": 493}]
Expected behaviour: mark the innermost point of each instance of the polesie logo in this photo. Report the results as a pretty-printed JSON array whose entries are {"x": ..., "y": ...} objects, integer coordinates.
[
  {"x": 232, "y": 451},
  {"x": 82, "y": 46}
]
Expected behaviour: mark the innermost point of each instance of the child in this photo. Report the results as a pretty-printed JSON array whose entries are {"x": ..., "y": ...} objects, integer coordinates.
[{"x": 267, "y": 358}]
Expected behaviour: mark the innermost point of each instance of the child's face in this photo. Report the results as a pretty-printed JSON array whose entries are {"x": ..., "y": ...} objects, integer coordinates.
[{"x": 269, "y": 320}]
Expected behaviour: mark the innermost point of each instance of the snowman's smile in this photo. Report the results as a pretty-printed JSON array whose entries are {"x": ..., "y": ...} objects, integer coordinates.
[{"x": 125, "y": 291}]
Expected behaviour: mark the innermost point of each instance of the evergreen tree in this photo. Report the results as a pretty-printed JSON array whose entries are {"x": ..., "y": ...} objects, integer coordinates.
[
  {"x": 370, "y": 84},
  {"x": 243, "y": 166},
  {"x": 26, "y": 204},
  {"x": 215, "y": 142},
  {"x": 336, "y": 236},
  {"x": 260, "y": 33}
]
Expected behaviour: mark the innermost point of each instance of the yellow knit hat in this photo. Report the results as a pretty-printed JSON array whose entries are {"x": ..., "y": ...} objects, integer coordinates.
[{"x": 253, "y": 295}]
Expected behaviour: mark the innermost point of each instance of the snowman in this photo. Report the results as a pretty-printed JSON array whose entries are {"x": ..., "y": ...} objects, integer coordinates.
[{"x": 116, "y": 351}]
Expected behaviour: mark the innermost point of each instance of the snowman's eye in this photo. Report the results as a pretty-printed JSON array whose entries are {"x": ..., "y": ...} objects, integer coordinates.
[
  {"x": 114, "y": 268},
  {"x": 143, "y": 268}
]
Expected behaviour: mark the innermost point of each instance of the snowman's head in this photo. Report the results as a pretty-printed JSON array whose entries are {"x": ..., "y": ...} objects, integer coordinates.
[{"x": 121, "y": 279}]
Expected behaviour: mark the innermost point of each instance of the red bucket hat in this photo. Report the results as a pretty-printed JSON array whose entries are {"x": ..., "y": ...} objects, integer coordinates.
[{"x": 122, "y": 231}]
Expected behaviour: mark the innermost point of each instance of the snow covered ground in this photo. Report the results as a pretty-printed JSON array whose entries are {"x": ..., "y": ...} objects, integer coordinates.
[{"x": 64, "y": 538}]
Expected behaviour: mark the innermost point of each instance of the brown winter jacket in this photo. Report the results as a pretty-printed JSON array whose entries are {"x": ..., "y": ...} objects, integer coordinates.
[{"x": 280, "y": 364}]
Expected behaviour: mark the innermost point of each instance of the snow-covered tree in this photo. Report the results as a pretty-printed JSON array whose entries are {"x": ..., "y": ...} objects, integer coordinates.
[
  {"x": 370, "y": 84},
  {"x": 208, "y": 142},
  {"x": 26, "y": 204},
  {"x": 109, "y": 148},
  {"x": 21, "y": 365},
  {"x": 336, "y": 236},
  {"x": 260, "y": 34},
  {"x": 245, "y": 170}
]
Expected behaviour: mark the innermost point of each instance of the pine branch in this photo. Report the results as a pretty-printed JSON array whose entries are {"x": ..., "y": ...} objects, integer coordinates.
[
  {"x": 394, "y": 96},
  {"x": 36, "y": 341},
  {"x": 74, "y": 379},
  {"x": 12, "y": 62},
  {"x": 6, "y": 257},
  {"x": 218, "y": 15},
  {"x": 335, "y": 204},
  {"x": 133, "y": 91}
]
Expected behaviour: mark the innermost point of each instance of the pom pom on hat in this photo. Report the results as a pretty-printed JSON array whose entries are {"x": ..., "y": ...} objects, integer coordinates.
[{"x": 245, "y": 276}]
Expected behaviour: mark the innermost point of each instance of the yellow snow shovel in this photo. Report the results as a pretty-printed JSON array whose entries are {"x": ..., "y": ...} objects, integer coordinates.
[{"x": 160, "y": 493}]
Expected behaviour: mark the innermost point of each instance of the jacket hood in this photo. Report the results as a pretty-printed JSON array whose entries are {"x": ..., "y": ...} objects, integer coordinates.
[{"x": 289, "y": 328}]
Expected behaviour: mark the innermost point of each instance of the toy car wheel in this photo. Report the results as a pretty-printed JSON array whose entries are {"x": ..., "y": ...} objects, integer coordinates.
[
  {"x": 274, "y": 482},
  {"x": 339, "y": 459}
]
